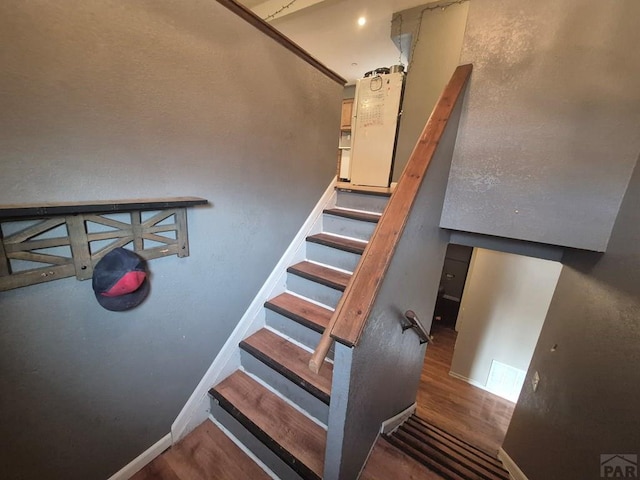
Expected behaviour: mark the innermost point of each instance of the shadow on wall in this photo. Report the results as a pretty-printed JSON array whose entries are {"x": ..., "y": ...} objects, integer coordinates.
[{"x": 478, "y": 307}]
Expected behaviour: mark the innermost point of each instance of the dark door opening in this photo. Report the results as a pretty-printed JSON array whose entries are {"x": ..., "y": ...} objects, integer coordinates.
[{"x": 452, "y": 281}]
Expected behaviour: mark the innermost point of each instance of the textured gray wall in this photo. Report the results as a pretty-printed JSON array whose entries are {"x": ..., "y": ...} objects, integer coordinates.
[
  {"x": 587, "y": 400},
  {"x": 436, "y": 56},
  {"x": 549, "y": 134},
  {"x": 385, "y": 366},
  {"x": 114, "y": 99}
]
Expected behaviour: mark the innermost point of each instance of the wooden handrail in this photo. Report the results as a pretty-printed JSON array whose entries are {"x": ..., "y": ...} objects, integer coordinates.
[
  {"x": 250, "y": 17},
  {"x": 349, "y": 318}
]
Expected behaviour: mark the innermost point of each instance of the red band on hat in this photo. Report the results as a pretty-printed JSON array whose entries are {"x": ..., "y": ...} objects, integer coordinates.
[{"x": 129, "y": 282}]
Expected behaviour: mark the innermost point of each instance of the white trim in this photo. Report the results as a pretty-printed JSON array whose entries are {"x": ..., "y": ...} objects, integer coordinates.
[
  {"x": 142, "y": 460},
  {"x": 479, "y": 385},
  {"x": 514, "y": 470},
  {"x": 364, "y": 465},
  {"x": 357, "y": 210},
  {"x": 310, "y": 300},
  {"x": 331, "y": 267},
  {"x": 391, "y": 424},
  {"x": 468, "y": 380},
  {"x": 242, "y": 447},
  {"x": 197, "y": 408},
  {"x": 291, "y": 403}
]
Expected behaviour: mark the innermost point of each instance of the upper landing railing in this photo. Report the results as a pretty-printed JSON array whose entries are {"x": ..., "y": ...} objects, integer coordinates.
[{"x": 350, "y": 316}]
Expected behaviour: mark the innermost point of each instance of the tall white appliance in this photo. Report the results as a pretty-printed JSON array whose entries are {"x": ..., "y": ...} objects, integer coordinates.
[{"x": 374, "y": 128}]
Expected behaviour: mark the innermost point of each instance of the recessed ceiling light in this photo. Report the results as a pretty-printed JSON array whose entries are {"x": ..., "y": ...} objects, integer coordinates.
[{"x": 362, "y": 21}]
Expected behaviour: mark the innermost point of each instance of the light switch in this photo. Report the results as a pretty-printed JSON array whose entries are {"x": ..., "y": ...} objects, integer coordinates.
[{"x": 535, "y": 381}]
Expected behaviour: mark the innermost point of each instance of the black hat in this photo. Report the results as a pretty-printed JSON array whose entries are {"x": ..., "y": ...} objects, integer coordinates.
[{"x": 120, "y": 280}]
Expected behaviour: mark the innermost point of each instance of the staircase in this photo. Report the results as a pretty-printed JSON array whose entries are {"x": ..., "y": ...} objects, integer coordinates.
[
  {"x": 444, "y": 454},
  {"x": 269, "y": 417},
  {"x": 273, "y": 404}
]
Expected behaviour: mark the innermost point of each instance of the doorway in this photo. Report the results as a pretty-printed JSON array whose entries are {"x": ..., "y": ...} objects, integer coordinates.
[
  {"x": 483, "y": 343},
  {"x": 452, "y": 280}
]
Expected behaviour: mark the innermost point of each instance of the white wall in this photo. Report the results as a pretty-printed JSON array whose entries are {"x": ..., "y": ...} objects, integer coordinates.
[{"x": 503, "y": 308}]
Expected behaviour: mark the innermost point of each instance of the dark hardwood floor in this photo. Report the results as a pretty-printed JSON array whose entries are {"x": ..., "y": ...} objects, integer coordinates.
[{"x": 455, "y": 406}]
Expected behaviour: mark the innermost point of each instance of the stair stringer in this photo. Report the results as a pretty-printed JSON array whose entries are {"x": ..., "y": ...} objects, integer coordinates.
[{"x": 198, "y": 406}]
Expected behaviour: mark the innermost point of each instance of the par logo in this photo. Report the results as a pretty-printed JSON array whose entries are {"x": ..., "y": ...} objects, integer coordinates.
[{"x": 618, "y": 465}]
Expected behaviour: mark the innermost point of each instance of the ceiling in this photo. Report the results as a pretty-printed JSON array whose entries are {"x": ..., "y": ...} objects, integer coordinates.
[{"x": 329, "y": 30}]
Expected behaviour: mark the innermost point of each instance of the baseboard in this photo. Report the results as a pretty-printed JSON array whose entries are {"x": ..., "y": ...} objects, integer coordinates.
[
  {"x": 142, "y": 460},
  {"x": 478, "y": 384},
  {"x": 468, "y": 380},
  {"x": 196, "y": 410},
  {"x": 511, "y": 466},
  {"x": 242, "y": 447},
  {"x": 391, "y": 424},
  {"x": 364, "y": 465}
]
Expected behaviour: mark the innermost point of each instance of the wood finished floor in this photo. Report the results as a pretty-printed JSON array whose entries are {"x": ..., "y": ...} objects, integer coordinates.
[
  {"x": 387, "y": 462},
  {"x": 204, "y": 454},
  {"x": 455, "y": 406}
]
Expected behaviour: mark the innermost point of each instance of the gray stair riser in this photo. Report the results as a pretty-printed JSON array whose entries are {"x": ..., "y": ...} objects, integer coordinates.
[
  {"x": 259, "y": 449},
  {"x": 286, "y": 388},
  {"x": 295, "y": 330},
  {"x": 361, "y": 201},
  {"x": 332, "y": 256},
  {"x": 313, "y": 290},
  {"x": 347, "y": 227}
]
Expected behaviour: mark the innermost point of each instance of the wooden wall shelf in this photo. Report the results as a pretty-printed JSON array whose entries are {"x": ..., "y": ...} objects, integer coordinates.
[
  {"x": 59, "y": 240},
  {"x": 23, "y": 210}
]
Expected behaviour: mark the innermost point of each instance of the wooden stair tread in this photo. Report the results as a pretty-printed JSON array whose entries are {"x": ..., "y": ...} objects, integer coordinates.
[
  {"x": 465, "y": 452},
  {"x": 287, "y": 432},
  {"x": 318, "y": 273},
  {"x": 421, "y": 423},
  {"x": 386, "y": 462},
  {"x": 158, "y": 469},
  {"x": 452, "y": 457},
  {"x": 376, "y": 191},
  {"x": 354, "y": 214},
  {"x": 445, "y": 454},
  {"x": 203, "y": 454},
  {"x": 341, "y": 243},
  {"x": 429, "y": 459},
  {"x": 291, "y": 361},
  {"x": 300, "y": 310}
]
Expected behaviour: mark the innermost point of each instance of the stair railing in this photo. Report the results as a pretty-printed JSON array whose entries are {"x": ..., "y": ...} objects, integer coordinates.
[{"x": 350, "y": 316}]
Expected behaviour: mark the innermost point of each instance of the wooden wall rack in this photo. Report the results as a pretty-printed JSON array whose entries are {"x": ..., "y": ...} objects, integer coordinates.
[{"x": 68, "y": 239}]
